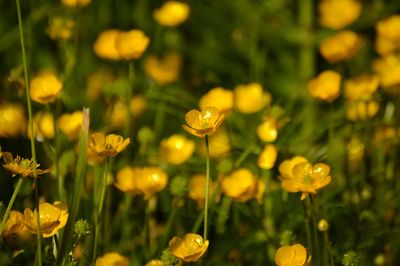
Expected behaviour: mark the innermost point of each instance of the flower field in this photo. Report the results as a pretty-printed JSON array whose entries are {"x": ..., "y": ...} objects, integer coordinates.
[{"x": 218, "y": 133}]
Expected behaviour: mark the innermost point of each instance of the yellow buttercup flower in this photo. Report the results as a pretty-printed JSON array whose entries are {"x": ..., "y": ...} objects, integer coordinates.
[
  {"x": 70, "y": 124},
  {"x": 189, "y": 248},
  {"x": 295, "y": 255},
  {"x": 112, "y": 259},
  {"x": 218, "y": 97},
  {"x": 107, "y": 146},
  {"x": 163, "y": 70},
  {"x": 21, "y": 166},
  {"x": 76, "y": 3},
  {"x": 117, "y": 114},
  {"x": 105, "y": 45},
  {"x": 268, "y": 130},
  {"x": 267, "y": 158},
  {"x": 60, "y": 28},
  {"x": 204, "y": 122},
  {"x": 43, "y": 126},
  {"x": 361, "y": 87},
  {"x": 337, "y": 14},
  {"x": 45, "y": 87},
  {"x": 137, "y": 105},
  {"x": 388, "y": 37},
  {"x": 126, "y": 180},
  {"x": 326, "y": 86},
  {"x": 15, "y": 232},
  {"x": 197, "y": 189},
  {"x": 12, "y": 120},
  {"x": 361, "y": 110},
  {"x": 53, "y": 217},
  {"x": 219, "y": 144},
  {"x": 388, "y": 70},
  {"x": 172, "y": 13},
  {"x": 250, "y": 98},
  {"x": 176, "y": 149},
  {"x": 154, "y": 263},
  {"x": 241, "y": 185},
  {"x": 341, "y": 46},
  {"x": 297, "y": 175},
  {"x": 131, "y": 44}
]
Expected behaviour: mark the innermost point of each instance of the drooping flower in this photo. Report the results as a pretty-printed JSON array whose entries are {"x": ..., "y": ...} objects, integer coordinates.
[
  {"x": 218, "y": 97},
  {"x": 250, "y": 98},
  {"x": 189, "y": 248},
  {"x": 131, "y": 44},
  {"x": 268, "y": 130},
  {"x": 241, "y": 185},
  {"x": 21, "y": 166},
  {"x": 298, "y": 175},
  {"x": 337, "y": 14},
  {"x": 172, "y": 13},
  {"x": 45, "y": 87},
  {"x": 112, "y": 259},
  {"x": 15, "y": 232},
  {"x": 295, "y": 255},
  {"x": 107, "y": 146},
  {"x": 176, "y": 149},
  {"x": 52, "y": 218},
  {"x": 388, "y": 37},
  {"x": 204, "y": 122},
  {"x": 12, "y": 120},
  {"x": 76, "y": 3},
  {"x": 163, "y": 70},
  {"x": 341, "y": 46},
  {"x": 197, "y": 189},
  {"x": 70, "y": 124},
  {"x": 326, "y": 86},
  {"x": 105, "y": 45},
  {"x": 266, "y": 159}
]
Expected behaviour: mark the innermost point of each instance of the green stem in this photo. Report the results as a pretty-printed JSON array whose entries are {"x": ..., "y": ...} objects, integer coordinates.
[
  {"x": 33, "y": 150},
  {"x": 312, "y": 212},
  {"x": 329, "y": 247},
  {"x": 206, "y": 188},
  {"x": 147, "y": 245},
  {"x": 129, "y": 93},
  {"x": 307, "y": 227},
  {"x": 244, "y": 155},
  {"x": 167, "y": 231},
  {"x": 11, "y": 203}
]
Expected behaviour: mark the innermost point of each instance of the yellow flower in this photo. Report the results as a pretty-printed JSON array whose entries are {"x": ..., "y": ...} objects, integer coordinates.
[
  {"x": 105, "y": 45},
  {"x": 361, "y": 110},
  {"x": 126, "y": 180},
  {"x": 70, "y": 124},
  {"x": 12, "y": 120},
  {"x": 172, "y": 13},
  {"x": 297, "y": 175},
  {"x": 131, "y": 44},
  {"x": 267, "y": 158},
  {"x": 388, "y": 70},
  {"x": 337, "y": 14},
  {"x": 112, "y": 259},
  {"x": 14, "y": 231},
  {"x": 326, "y": 86},
  {"x": 197, "y": 189},
  {"x": 45, "y": 87},
  {"x": 76, "y": 3},
  {"x": 250, "y": 98},
  {"x": 53, "y": 217},
  {"x": 117, "y": 114},
  {"x": 154, "y": 263},
  {"x": 204, "y": 122},
  {"x": 43, "y": 126},
  {"x": 219, "y": 144},
  {"x": 60, "y": 28},
  {"x": 137, "y": 105},
  {"x": 176, "y": 149},
  {"x": 218, "y": 97},
  {"x": 163, "y": 70},
  {"x": 190, "y": 248},
  {"x": 268, "y": 130},
  {"x": 21, "y": 166},
  {"x": 388, "y": 38},
  {"x": 107, "y": 146},
  {"x": 295, "y": 255},
  {"x": 341, "y": 46},
  {"x": 241, "y": 185},
  {"x": 361, "y": 87}
]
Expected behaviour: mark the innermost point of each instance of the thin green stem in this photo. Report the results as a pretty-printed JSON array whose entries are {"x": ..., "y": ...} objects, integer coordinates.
[
  {"x": 33, "y": 149},
  {"x": 307, "y": 227},
  {"x": 329, "y": 247},
  {"x": 11, "y": 203},
  {"x": 147, "y": 245},
  {"x": 129, "y": 93},
  {"x": 312, "y": 212},
  {"x": 167, "y": 231},
  {"x": 206, "y": 188}
]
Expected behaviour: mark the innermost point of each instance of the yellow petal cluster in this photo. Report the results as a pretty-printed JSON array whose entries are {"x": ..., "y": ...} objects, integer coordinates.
[
  {"x": 144, "y": 181},
  {"x": 250, "y": 98},
  {"x": 203, "y": 122},
  {"x": 163, "y": 70},
  {"x": 176, "y": 149},
  {"x": 45, "y": 87},
  {"x": 15, "y": 232},
  {"x": 112, "y": 259},
  {"x": 295, "y": 255},
  {"x": 43, "y": 126},
  {"x": 361, "y": 87},
  {"x": 361, "y": 110},
  {"x": 52, "y": 218},
  {"x": 388, "y": 70},
  {"x": 107, "y": 146},
  {"x": 298, "y": 175},
  {"x": 104, "y": 46},
  {"x": 341, "y": 46},
  {"x": 240, "y": 185},
  {"x": 172, "y": 13},
  {"x": 219, "y": 144},
  {"x": 60, "y": 28},
  {"x": 268, "y": 130},
  {"x": 197, "y": 189},
  {"x": 70, "y": 124},
  {"x": 20, "y": 166},
  {"x": 326, "y": 86},
  {"x": 117, "y": 114},
  {"x": 76, "y": 3},
  {"x": 388, "y": 36},
  {"x": 189, "y": 248},
  {"x": 137, "y": 105},
  {"x": 266, "y": 159},
  {"x": 337, "y": 14},
  {"x": 12, "y": 120},
  {"x": 218, "y": 97}
]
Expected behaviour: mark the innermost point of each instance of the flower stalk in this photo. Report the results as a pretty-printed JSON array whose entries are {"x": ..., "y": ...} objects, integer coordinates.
[
  {"x": 206, "y": 188},
  {"x": 11, "y": 203}
]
